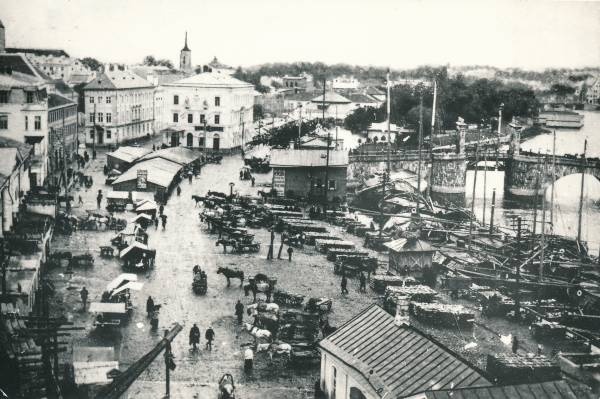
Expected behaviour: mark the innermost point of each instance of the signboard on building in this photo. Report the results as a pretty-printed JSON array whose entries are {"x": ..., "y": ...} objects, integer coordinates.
[
  {"x": 279, "y": 181},
  {"x": 142, "y": 179}
]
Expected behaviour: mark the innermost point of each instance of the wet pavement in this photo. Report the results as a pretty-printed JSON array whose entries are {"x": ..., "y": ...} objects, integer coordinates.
[{"x": 184, "y": 243}]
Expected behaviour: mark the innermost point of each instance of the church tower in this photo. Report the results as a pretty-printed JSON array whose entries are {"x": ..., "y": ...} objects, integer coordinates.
[{"x": 185, "y": 57}]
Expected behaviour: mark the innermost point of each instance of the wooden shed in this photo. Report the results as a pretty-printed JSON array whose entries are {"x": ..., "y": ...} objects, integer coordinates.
[{"x": 410, "y": 256}]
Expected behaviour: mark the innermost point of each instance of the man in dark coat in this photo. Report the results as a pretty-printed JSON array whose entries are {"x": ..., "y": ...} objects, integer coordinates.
[
  {"x": 290, "y": 251},
  {"x": 363, "y": 283},
  {"x": 209, "y": 335},
  {"x": 344, "y": 284},
  {"x": 150, "y": 306},
  {"x": 239, "y": 311},
  {"x": 84, "y": 297},
  {"x": 99, "y": 198},
  {"x": 194, "y": 337}
]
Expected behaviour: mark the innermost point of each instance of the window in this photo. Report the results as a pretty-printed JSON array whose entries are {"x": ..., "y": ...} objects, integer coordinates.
[
  {"x": 4, "y": 96},
  {"x": 91, "y": 100},
  {"x": 92, "y": 117},
  {"x": 108, "y": 117},
  {"x": 38, "y": 123},
  {"x": 190, "y": 118},
  {"x": 29, "y": 97},
  {"x": 202, "y": 118},
  {"x": 100, "y": 117},
  {"x": 217, "y": 101},
  {"x": 175, "y": 99},
  {"x": 201, "y": 142},
  {"x": 92, "y": 134},
  {"x": 108, "y": 99},
  {"x": 26, "y": 123},
  {"x": 3, "y": 121},
  {"x": 333, "y": 381},
  {"x": 108, "y": 134},
  {"x": 217, "y": 119},
  {"x": 175, "y": 117},
  {"x": 331, "y": 185},
  {"x": 99, "y": 100}
]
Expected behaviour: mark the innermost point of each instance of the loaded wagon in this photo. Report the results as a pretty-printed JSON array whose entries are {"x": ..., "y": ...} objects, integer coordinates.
[
  {"x": 116, "y": 201},
  {"x": 324, "y": 245},
  {"x": 334, "y": 253},
  {"x": 287, "y": 298},
  {"x": 108, "y": 315},
  {"x": 312, "y": 236},
  {"x": 354, "y": 265}
]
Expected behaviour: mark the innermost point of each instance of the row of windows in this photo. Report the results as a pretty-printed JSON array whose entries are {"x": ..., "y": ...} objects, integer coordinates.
[
  {"x": 190, "y": 118},
  {"x": 37, "y": 122},
  {"x": 60, "y": 113},
  {"x": 108, "y": 100},
  {"x": 101, "y": 117},
  {"x": 176, "y": 100},
  {"x": 139, "y": 128}
]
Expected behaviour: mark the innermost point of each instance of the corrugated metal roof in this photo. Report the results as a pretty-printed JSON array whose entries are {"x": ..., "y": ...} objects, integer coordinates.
[
  {"x": 129, "y": 154},
  {"x": 545, "y": 390},
  {"x": 298, "y": 158},
  {"x": 409, "y": 245},
  {"x": 403, "y": 361},
  {"x": 160, "y": 172}
]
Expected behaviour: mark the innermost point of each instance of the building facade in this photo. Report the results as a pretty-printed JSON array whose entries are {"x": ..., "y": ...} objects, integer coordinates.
[
  {"x": 303, "y": 82},
  {"x": 119, "y": 107},
  {"x": 345, "y": 82},
  {"x": 592, "y": 94},
  {"x": 24, "y": 110},
  {"x": 214, "y": 111},
  {"x": 62, "y": 132},
  {"x": 15, "y": 164}
]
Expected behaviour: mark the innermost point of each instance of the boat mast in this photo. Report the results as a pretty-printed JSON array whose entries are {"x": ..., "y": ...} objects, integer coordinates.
[
  {"x": 553, "y": 181},
  {"x": 474, "y": 186},
  {"x": 420, "y": 145},
  {"x": 542, "y": 241},
  {"x": 581, "y": 192},
  {"x": 327, "y": 151},
  {"x": 432, "y": 133}
]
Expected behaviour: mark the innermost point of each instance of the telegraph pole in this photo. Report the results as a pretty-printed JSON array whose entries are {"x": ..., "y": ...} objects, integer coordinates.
[
  {"x": 518, "y": 279},
  {"x": 581, "y": 192},
  {"x": 327, "y": 153},
  {"x": 95, "y": 132},
  {"x": 474, "y": 187},
  {"x": 553, "y": 180},
  {"x": 493, "y": 209},
  {"x": 420, "y": 146}
]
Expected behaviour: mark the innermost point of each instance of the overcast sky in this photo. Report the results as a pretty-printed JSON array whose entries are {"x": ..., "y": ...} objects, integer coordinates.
[{"x": 398, "y": 33}]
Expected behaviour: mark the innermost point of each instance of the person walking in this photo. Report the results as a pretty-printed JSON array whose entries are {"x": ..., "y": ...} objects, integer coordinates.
[
  {"x": 194, "y": 337},
  {"x": 515, "y": 344},
  {"x": 283, "y": 238},
  {"x": 290, "y": 252},
  {"x": 239, "y": 311},
  {"x": 178, "y": 191},
  {"x": 161, "y": 209},
  {"x": 80, "y": 200},
  {"x": 363, "y": 282},
  {"x": 84, "y": 297},
  {"x": 99, "y": 198},
  {"x": 270, "y": 253},
  {"x": 156, "y": 223},
  {"x": 344, "y": 284},
  {"x": 253, "y": 180},
  {"x": 209, "y": 335},
  {"x": 150, "y": 306},
  {"x": 163, "y": 218},
  {"x": 248, "y": 359},
  {"x": 190, "y": 175}
]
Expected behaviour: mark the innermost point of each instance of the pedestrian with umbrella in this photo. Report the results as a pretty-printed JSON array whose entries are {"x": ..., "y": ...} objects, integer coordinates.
[
  {"x": 194, "y": 337},
  {"x": 150, "y": 306}
]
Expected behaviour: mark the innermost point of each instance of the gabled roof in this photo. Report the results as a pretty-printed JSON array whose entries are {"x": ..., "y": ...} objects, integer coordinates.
[
  {"x": 63, "y": 88},
  {"x": 382, "y": 127},
  {"x": 22, "y": 71},
  {"x": 545, "y": 390},
  {"x": 129, "y": 154},
  {"x": 180, "y": 155},
  {"x": 361, "y": 98},
  {"x": 23, "y": 148},
  {"x": 307, "y": 158},
  {"x": 398, "y": 359},
  {"x": 331, "y": 97},
  {"x": 300, "y": 96},
  {"x": 160, "y": 172},
  {"x": 38, "y": 51},
  {"x": 409, "y": 245},
  {"x": 56, "y": 100},
  {"x": 117, "y": 79},
  {"x": 209, "y": 79}
]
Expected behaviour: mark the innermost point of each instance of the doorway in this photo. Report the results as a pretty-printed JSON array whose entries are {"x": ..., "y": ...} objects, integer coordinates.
[
  {"x": 100, "y": 136},
  {"x": 216, "y": 142},
  {"x": 190, "y": 140},
  {"x": 174, "y": 139}
]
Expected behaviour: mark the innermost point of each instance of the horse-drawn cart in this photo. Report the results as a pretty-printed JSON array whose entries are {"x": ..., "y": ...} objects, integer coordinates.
[
  {"x": 200, "y": 283},
  {"x": 287, "y": 298}
]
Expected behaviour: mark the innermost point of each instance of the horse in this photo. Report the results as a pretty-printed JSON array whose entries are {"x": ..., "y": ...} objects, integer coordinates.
[
  {"x": 225, "y": 242},
  {"x": 262, "y": 307},
  {"x": 280, "y": 348},
  {"x": 256, "y": 332},
  {"x": 231, "y": 273},
  {"x": 198, "y": 199},
  {"x": 226, "y": 387}
]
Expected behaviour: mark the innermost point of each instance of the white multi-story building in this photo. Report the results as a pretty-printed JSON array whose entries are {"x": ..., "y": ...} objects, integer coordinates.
[
  {"x": 210, "y": 111},
  {"x": 24, "y": 110},
  {"x": 345, "y": 82},
  {"x": 592, "y": 94},
  {"x": 119, "y": 107}
]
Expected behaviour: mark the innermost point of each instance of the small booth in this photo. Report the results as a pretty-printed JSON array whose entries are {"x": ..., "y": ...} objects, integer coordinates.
[{"x": 410, "y": 256}]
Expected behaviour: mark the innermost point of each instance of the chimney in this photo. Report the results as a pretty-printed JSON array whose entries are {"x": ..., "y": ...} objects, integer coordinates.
[{"x": 402, "y": 316}]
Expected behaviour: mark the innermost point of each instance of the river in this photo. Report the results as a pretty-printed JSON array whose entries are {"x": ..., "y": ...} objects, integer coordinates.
[{"x": 566, "y": 191}]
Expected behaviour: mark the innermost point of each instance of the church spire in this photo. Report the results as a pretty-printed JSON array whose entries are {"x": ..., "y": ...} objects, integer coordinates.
[{"x": 185, "y": 48}]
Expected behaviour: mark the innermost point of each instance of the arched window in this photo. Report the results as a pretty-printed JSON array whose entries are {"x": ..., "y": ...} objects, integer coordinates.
[{"x": 356, "y": 393}]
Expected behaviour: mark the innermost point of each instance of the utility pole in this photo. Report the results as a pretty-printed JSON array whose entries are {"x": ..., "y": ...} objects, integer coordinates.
[
  {"x": 542, "y": 241},
  {"x": 581, "y": 192},
  {"x": 299, "y": 125},
  {"x": 168, "y": 360},
  {"x": 553, "y": 180},
  {"x": 420, "y": 146},
  {"x": 484, "y": 185},
  {"x": 518, "y": 272},
  {"x": 474, "y": 186},
  {"x": 95, "y": 132},
  {"x": 327, "y": 151},
  {"x": 389, "y": 144},
  {"x": 493, "y": 209}
]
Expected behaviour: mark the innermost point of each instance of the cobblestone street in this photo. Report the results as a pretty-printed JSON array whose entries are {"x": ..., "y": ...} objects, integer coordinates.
[{"x": 184, "y": 243}]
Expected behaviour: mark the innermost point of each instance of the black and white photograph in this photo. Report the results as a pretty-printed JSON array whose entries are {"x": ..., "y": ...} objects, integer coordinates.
[{"x": 310, "y": 199}]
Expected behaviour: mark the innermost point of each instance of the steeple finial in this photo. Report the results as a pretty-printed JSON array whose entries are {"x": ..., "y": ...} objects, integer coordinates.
[{"x": 185, "y": 47}]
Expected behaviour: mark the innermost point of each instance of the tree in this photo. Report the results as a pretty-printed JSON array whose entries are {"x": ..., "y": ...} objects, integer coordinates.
[
  {"x": 91, "y": 63},
  {"x": 258, "y": 112},
  {"x": 360, "y": 119},
  {"x": 412, "y": 119},
  {"x": 561, "y": 90},
  {"x": 149, "y": 60},
  {"x": 164, "y": 62}
]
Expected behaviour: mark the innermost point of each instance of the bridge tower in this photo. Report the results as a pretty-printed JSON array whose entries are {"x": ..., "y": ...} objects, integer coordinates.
[{"x": 449, "y": 174}]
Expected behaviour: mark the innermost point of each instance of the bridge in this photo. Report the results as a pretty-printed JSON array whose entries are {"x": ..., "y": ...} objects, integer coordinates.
[{"x": 526, "y": 174}]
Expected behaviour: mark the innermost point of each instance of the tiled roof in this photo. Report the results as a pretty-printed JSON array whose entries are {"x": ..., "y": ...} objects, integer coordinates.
[
  {"x": 306, "y": 158},
  {"x": 117, "y": 79},
  {"x": 23, "y": 148},
  {"x": 56, "y": 100},
  {"x": 209, "y": 79},
  {"x": 63, "y": 88},
  {"x": 129, "y": 154},
  {"x": 331, "y": 97},
  {"x": 20, "y": 66},
  {"x": 38, "y": 51},
  {"x": 398, "y": 359},
  {"x": 361, "y": 98},
  {"x": 545, "y": 390},
  {"x": 300, "y": 96},
  {"x": 409, "y": 245}
]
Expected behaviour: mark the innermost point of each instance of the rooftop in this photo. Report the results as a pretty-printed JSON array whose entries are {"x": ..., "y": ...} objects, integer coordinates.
[
  {"x": 307, "y": 158},
  {"x": 129, "y": 154},
  {"x": 361, "y": 98},
  {"x": 180, "y": 155},
  {"x": 209, "y": 79},
  {"x": 38, "y": 51},
  {"x": 331, "y": 97},
  {"x": 300, "y": 96},
  {"x": 409, "y": 245},
  {"x": 545, "y": 390},
  {"x": 117, "y": 79},
  {"x": 22, "y": 72},
  {"x": 382, "y": 127},
  {"x": 398, "y": 359},
  {"x": 57, "y": 100},
  {"x": 215, "y": 63},
  {"x": 23, "y": 148},
  {"x": 160, "y": 172}
]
